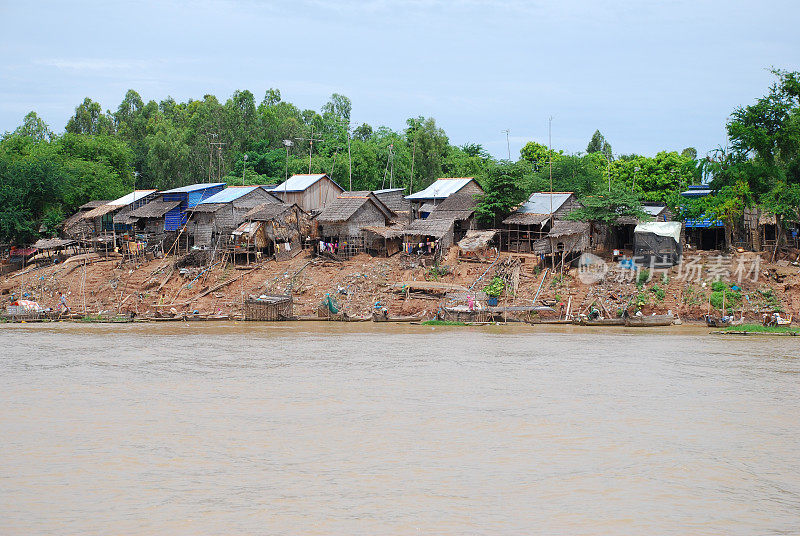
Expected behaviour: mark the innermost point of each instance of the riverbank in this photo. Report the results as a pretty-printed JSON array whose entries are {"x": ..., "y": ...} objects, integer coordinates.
[{"x": 168, "y": 288}]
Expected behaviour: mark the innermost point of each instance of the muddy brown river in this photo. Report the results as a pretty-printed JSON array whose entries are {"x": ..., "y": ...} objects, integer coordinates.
[{"x": 322, "y": 428}]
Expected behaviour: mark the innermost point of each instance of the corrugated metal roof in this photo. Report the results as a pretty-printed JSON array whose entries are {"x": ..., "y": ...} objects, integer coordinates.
[
  {"x": 441, "y": 189},
  {"x": 539, "y": 202},
  {"x": 229, "y": 194},
  {"x": 697, "y": 190},
  {"x": 193, "y": 187},
  {"x": 126, "y": 200},
  {"x": 703, "y": 223},
  {"x": 299, "y": 183},
  {"x": 387, "y": 190},
  {"x": 653, "y": 210}
]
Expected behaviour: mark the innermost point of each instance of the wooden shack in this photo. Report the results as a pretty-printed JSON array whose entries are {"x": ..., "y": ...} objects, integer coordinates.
[
  {"x": 217, "y": 216},
  {"x": 343, "y": 222},
  {"x": 311, "y": 192},
  {"x": 275, "y": 230},
  {"x": 533, "y": 219},
  {"x": 100, "y": 220},
  {"x": 446, "y": 224},
  {"x": 565, "y": 240},
  {"x": 77, "y": 226}
]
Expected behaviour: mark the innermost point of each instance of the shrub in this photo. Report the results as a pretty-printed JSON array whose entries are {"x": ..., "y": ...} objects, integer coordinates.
[{"x": 495, "y": 287}]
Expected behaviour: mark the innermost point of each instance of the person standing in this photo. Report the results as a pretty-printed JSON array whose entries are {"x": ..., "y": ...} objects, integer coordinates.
[{"x": 62, "y": 304}]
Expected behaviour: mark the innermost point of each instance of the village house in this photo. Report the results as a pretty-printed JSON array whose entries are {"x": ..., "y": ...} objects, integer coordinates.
[
  {"x": 445, "y": 225},
  {"x": 564, "y": 241},
  {"x": 311, "y": 192},
  {"x": 188, "y": 197},
  {"x": 533, "y": 219},
  {"x": 424, "y": 201},
  {"x": 271, "y": 230},
  {"x": 395, "y": 201},
  {"x": 621, "y": 236},
  {"x": 703, "y": 232},
  {"x": 217, "y": 216},
  {"x": 77, "y": 226},
  {"x": 100, "y": 219},
  {"x": 343, "y": 224}
]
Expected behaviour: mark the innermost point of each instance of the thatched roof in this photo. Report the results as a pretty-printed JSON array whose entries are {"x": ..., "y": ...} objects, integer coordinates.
[
  {"x": 93, "y": 204},
  {"x": 52, "y": 243},
  {"x": 437, "y": 227},
  {"x": 519, "y": 218},
  {"x": 476, "y": 240},
  {"x": 459, "y": 206},
  {"x": 392, "y": 231},
  {"x": 341, "y": 209},
  {"x": 267, "y": 211},
  {"x": 566, "y": 228},
  {"x": 348, "y": 203},
  {"x": 99, "y": 212},
  {"x": 208, "y": 207},
  {"x": 153, "y": 209}
]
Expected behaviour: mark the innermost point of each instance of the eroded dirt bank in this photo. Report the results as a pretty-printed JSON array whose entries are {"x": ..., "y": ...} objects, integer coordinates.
[{"x": 158, "y": 288}]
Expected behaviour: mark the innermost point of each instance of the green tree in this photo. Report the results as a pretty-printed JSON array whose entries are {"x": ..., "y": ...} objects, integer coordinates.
[
  {"x": 598, "y": 143},
  {"x": 608, "y": 207},
  {"x": 538, "y": 155},
  {"x": 502, "y": 194},
  {"x": 90, "y": 119},
  {"x": 34, "y": 127}
]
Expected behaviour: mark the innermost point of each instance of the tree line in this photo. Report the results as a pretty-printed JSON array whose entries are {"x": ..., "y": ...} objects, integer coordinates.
[{"x": 45, "y": 176}]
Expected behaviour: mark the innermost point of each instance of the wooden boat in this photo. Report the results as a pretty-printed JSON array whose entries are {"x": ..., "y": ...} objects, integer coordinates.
[
  {"x": 599, "y": 322},
  {"x": 382, "y": 316},
  {"x": 647, "y": 321}
]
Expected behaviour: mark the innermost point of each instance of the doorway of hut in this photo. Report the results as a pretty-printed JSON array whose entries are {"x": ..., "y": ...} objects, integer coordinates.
[{"x": 705, "y": 238}]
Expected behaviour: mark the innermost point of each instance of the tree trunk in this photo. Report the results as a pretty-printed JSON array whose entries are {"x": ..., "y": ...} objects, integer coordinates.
[{"x": 728, "y": 235}]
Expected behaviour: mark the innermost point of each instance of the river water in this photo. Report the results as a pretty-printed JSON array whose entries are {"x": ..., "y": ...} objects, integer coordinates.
[{"x": 323, "y": 428}]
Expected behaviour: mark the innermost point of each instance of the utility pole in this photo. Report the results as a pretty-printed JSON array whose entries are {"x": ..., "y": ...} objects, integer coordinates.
[
  {"x": 287, "y": 144},
  {"x": 413, "y": 153},
  {"x": 349, "y": 161},
  {"x": 311, "y": 141},
  {"x": 244, "y": 168},
  {"x": 550, "y": 150},
  {"x": 508, "y": 144},
  {"x": 212, "y": 145}
]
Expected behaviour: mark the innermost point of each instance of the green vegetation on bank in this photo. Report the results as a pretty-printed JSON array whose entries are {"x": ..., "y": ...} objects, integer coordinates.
[
  {"x": 758, "y": 328},
  {"x": 442, "y": 323}
]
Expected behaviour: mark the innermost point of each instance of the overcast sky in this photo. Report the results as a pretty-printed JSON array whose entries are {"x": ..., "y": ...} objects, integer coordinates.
[{"x": 651, "y": 75}]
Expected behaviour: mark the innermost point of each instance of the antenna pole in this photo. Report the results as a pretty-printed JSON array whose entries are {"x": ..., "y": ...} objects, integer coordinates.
[
  {"x": 349, "y": 160},
  {"x": 550, "y": 150},
  {"x": 413, "y": 153}
]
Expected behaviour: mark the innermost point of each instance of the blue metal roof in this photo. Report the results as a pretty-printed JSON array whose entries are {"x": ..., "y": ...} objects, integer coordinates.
[
  {"x": 441, "y": 189},
  {"x": 229, "y": 194},
  {"x": 703, "y": 223},
  {"x": 194, "y": 187}
]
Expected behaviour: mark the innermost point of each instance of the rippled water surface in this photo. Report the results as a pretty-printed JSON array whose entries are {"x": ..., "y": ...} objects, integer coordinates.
[{"x": 316, "y": 428}]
